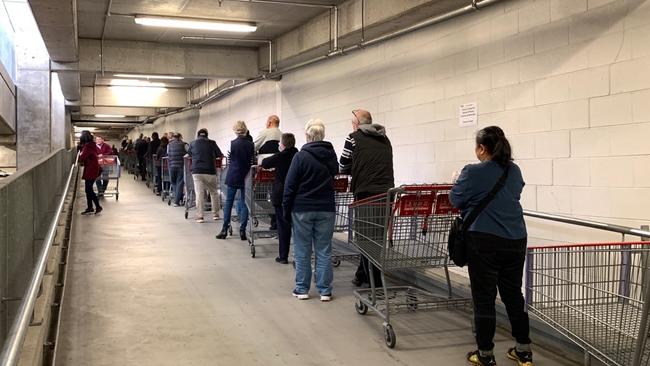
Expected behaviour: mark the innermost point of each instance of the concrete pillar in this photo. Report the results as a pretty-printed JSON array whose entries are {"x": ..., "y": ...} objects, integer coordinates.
[{"x": 40, "y": 122}]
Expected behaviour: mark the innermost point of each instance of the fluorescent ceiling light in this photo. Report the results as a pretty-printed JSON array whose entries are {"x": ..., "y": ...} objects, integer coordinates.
[
  {"x": 198, "y": 24},
  {"x": 79, "y": 129},
  {"x": 110, "y": 116},
  {"x": 134, "y": 90},
  {"x": 167, "y": 77},
  {"x": 135, "y": 82}
]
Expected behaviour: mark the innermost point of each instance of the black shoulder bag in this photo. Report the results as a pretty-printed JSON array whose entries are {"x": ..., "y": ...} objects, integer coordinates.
[{"x": 457, "y": 242}]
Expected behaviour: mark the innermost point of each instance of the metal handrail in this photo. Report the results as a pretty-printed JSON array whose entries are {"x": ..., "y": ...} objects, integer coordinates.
[
  {"x": 588, "y": 223},
  {"x": 18, "y": 331}
]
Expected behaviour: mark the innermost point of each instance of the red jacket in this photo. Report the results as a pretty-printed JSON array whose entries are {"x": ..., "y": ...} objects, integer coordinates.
[
  {"x": 88, "y": 158},
  {"x": 105, "y": 149}
]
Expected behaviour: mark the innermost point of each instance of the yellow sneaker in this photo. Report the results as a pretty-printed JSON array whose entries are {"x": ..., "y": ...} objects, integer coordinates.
[
  {"x": 474, "y": 358},
  {"x": 522, "y": 358}
]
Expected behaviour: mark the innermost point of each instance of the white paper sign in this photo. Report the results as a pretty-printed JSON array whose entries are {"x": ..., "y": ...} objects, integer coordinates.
[{"x": 467, "y": 115}]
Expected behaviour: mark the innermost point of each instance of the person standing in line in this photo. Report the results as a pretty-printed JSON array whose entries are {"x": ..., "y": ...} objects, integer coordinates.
[
  {"x": 496, "y": 245},
  {"x": 242, "y": 153},
  {"x": 204, "y": 153},
  {"x": 160, "y": 154},
  {"x": 176, "y": 150},
  {"x": 141, "y": 147},
  {"x": 267, "y": 144},
  {"x": 281, "y": 163},
  {"x": 368, "y": 157},
  {"x": 308, "y": 203},
  {"x": 102, "y": 149},
  {"x": 88, "y": 158}
]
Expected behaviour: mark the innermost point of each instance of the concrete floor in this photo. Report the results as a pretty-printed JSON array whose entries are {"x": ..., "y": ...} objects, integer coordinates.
[{"x": 147, "y": 287}]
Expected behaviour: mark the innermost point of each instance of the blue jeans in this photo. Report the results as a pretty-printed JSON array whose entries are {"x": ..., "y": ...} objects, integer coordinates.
[
  {"x": 177, "y": 183},
  {"x": 313, "y": 230},
  {"x": 242, "y": 210}
]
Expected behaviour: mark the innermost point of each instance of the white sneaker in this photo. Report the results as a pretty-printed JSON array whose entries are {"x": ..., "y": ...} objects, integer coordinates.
[
  {"x": 199, "y": 220},
  {"x": 300, "y": 296},
  {"x": 215, "y": 218},
  {"x": 325, "y": 298}
]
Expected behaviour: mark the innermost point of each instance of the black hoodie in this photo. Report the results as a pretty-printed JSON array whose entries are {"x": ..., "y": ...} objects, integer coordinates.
[{"x": 309, "y": 185}]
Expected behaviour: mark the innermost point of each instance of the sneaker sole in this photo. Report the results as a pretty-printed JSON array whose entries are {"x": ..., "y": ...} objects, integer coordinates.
[
  {"x": 325, "y": 299},
  {"x": 301, "y": 296}
]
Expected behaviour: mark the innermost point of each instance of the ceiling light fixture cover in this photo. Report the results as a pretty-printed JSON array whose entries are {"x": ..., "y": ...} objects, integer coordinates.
[
  {"x": 135, "y": 82},
  {"x": 165, "y": 77},
  {"x": 109, "y": 116},
  {"x": 198, "y": 24}
]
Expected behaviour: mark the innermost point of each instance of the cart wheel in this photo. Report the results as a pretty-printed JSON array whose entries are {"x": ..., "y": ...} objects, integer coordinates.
[
  {"x": 360, "y": 307},
  {"x": 117, "y": 196},
  {"x": 255, "y": 222},
  {"x": 389, "y": 335},
  {"x": 146, "y": 184},
  {"x": 162, "y": 197},
  {"x": 186, "y": 214},
  {"x": 252, "y": 251},
  {"x": 336, "y": 262},
  {"x": 169, "y": 202}
]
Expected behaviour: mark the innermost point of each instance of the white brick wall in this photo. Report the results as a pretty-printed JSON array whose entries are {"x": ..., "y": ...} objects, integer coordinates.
[{"x": 568, "y": 80}]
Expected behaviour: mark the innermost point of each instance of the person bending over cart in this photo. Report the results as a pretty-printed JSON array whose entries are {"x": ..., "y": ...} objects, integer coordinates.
[
  {"x": 308, "y": 202},
  {"x": 204, "y": 152},
  {"x": 496, "y": 244},
  {"x": 242, "y": 153},
  {"x": 281, "y": 163},
  {"x": 368, "y": 157}
]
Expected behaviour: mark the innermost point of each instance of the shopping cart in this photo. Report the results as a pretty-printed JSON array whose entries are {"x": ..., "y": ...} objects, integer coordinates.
[
  {"x": 131, "y": 162},
  {"x": 258, "y": 188},
  {"x": 111, "y": 170},
  {"x": 190, "y": 192},
  {"x": 596, "y": 295},
  {"x": 341, "y": 248},
  {"x": 165, "y": 180},
  {"x": 405, "y": 228}
]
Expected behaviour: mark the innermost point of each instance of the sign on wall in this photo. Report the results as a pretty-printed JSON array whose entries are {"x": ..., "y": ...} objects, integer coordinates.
[{"x": 468, "y": 115}]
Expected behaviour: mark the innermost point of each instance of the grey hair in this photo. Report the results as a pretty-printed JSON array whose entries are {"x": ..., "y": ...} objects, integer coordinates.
[{"x": 315, "y": 130}]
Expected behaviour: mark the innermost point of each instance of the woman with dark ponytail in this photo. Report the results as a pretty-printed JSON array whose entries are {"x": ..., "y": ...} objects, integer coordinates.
[{"x": 496, "y": 244}]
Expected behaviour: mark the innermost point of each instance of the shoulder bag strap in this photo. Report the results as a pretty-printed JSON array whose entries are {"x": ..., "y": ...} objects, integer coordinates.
[{"x": 483, "y": 204}]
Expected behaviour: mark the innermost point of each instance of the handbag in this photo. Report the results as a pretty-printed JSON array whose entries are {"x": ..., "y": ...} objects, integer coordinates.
[{"x": 456, "y": 241}]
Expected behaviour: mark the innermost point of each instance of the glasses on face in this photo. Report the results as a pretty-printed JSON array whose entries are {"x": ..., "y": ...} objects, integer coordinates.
[{"x": 355, "y": 116}]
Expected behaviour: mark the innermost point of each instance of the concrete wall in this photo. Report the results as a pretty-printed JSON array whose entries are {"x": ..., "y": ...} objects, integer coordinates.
[{"x": 569, "y": 82}]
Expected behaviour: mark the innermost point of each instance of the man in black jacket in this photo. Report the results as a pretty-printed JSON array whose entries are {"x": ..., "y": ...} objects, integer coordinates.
[
  {"x": 204, "y": 153},
  {"x": 176, "y": 151},
  {"x": 281, "y": 163},
  {"x": 368, "y": 157},
  {"x": 141, "y": 147}
]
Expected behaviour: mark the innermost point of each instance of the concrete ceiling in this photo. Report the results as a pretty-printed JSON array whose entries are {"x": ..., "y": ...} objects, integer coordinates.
[
  {"x": 272, "y": 19},
  {"x": 88, "y": 47}
]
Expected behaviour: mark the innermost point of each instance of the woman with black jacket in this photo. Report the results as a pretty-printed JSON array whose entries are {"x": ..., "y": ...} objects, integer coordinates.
[{"x": 496, "y": 245}]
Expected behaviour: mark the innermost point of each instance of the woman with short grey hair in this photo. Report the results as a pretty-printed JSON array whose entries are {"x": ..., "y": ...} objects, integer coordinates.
[{"x": 308, "y": 202}]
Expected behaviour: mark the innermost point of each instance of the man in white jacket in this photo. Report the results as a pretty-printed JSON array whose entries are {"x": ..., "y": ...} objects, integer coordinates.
[{"x": 268, "y": 141}]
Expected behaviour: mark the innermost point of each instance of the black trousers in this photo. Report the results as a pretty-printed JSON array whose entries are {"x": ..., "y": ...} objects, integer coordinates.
[
  {"x": 142, "y": 167},
  {"x": 497, "y": 263},
  {"x": 374, "y": 231},
  {"x": 91, "y": 196},
  {"x": 284, "y": 233}
]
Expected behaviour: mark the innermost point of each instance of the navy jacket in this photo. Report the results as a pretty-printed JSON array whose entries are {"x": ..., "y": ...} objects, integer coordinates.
[
  {"x": 204, "y": 152},
  {"x": 504, "y": 216},
  {"x": 242, "y": 152},
  {"x": 175, "y": 151},
  {"x": 310, "y": 182},
  {"x": 281, "y": 163}
]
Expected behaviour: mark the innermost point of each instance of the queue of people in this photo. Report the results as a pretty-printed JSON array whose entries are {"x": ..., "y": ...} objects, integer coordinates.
[{"x": 304, "y": 201}]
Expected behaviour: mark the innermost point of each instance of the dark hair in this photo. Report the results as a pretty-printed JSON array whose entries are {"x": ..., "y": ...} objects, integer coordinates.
[
  {"x": 202, "y": 132},
  {"x": 85, "y": 137},
  {"x": 154, "y": 135},
  {"x": 288, "y": 140},
  {"x": 496, "y": 143},
  {"x": 164, "y": 140}
]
